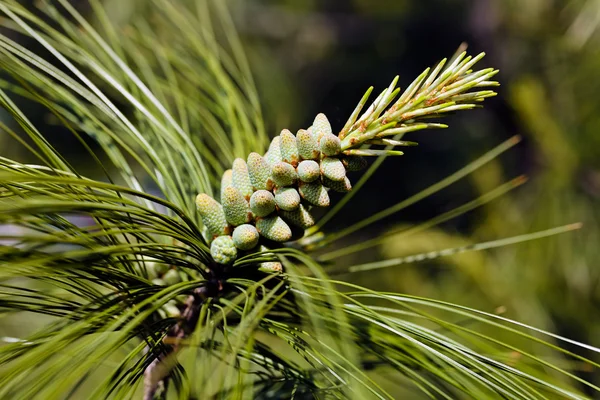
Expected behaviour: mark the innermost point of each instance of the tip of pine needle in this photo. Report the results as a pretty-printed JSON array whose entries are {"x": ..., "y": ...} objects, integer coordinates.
[
  {"x": 574, "y": 226},
  {"x": 519, "y": 180},
  {"x": 515, "y": 139}
]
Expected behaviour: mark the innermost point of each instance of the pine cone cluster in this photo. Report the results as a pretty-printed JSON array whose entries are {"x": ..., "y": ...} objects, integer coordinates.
[{"x": 271, "y": 196}]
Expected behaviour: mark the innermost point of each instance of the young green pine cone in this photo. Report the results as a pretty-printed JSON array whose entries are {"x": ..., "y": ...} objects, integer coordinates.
[
  {"x": 262, "y": 203},
  {"x": 284, "y": 174},
  {"x": 235, "y": 207},
  {"x": 269, "y": 196},
  {"x": 287, "y": 198},
  {"x": 314, "y": 193},
  {"x": 274, "y": 228},
  {"x": 212, "y": 215},
  {"x": 245, "y": 237},
  {"x": 330, "y": 145},
  {"x": 332, "y": 168},
  {"x": 308, "y": 148},
  {"x": 308, "y": 171},
  {"x": 260, "y": 172},
  {"x": 241, "y": 178},
  {"x": 321, "y": 127},
  {"x": 223, "y": 250},
  {"x": 338, "y": 186},
  {"x": 273, "y": 155},
  {"x": 289, "y": 148},
  {"x": 300, "y": 217}
]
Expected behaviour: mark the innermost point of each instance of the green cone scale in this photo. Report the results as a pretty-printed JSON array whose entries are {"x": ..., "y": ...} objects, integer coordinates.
[
  {"x": 299, "y": 217},
  {"x": 245, "y": 237},
  {"x": 241, "y": 178},
  {"x": 273, "y": 155},
  {"x": 308, "y": 147},
  {"x": 332, "y": 168},
  {"x": 314, "y": 193},
  {"x": 284, "y": 174},
  {"x": 287, "y": 198},
  {"x": 308, "y": 171},
  {"x": 330, "y": 144},
  {"x": 321, "y": 127},
  {"x": 338, "y": 186},
  {"x": 289, "y": 148},
  {"x": 223, "y": 250},
  {"x": 262, "y": 203},
  {"x": 260, "y": 172},
  {"x": 235, "y": 207},
  {"x": 274, "y": 228},
  {"x": 271, "y": 196},
  {"x": 212, "y": 215}
]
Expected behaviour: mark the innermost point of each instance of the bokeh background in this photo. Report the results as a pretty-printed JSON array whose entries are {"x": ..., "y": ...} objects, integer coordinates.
[{"x": 314, "y": 56}]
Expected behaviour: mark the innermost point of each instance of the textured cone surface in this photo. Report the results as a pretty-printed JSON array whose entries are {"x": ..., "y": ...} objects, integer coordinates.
[
  {"x": 260, "y": 172},
  {"x": 321, "y": 127},
  {"x": 289, "y": 148},
  {"x": 222, "y": 250},
  {"x": 313, "y": 133},
  {"x": 332, "y": 168},
  {"x": 235, "y": 206},
  {"x": 314, "y": 193},
  {"x": 284, "y": 174},
  {"x": 262, "y": 203},
  {"x": 308, "y": 148},
  {"x": 274, "y": 228},
  {"x": 212, "y": 215},
  {"x": 287, "y": 198},
  {"x": 226, "y": 180},
  {"x": 172, "y": 277},
  {"x": 271, "y": 267},
  {"x": 245, "y": 237},
  {"x": 273, "y": 155},
  {"x": 241, "y": 178},
  {"x": 330, "y": 144},
  {"x": 308, "y": 171},
  {"x": 355, "y": 163},
  {"x": 299, "y": 217},
  {"x": 339, "y": 186}
]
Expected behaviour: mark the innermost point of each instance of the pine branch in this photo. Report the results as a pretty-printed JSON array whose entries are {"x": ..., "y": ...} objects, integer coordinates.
[{"x": 220, "y": 300}]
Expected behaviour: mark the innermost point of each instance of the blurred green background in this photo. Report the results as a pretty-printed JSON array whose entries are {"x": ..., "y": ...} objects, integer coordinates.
[
  {"x": 320, "y": 56},
  {"x": 314, "y": 56}
]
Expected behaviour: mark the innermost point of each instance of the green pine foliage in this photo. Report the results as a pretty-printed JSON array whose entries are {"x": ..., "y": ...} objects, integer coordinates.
[{"x": 224, "y": 284}]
